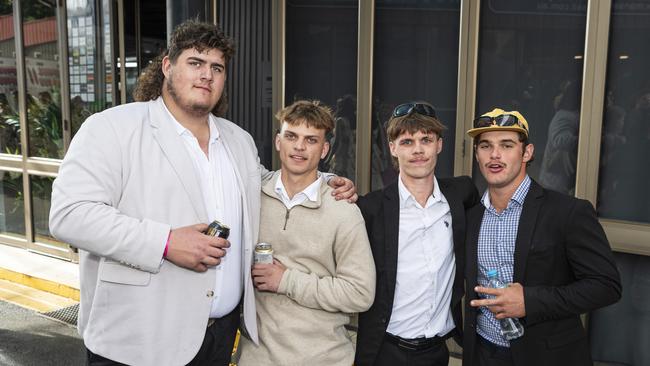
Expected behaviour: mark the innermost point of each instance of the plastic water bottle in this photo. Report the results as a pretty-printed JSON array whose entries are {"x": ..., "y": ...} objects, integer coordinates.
[{"x": 511, "y": 328}]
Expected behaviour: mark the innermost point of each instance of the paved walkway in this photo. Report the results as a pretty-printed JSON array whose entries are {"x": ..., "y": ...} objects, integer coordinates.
[{"x": 30, "y": 339}]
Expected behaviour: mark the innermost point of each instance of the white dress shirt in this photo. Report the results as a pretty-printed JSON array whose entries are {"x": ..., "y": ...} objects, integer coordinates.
[
  {"x": 425, "y": 267},
  {"x": 309, "y": 193},
  {"x": 223, "y": 202}
]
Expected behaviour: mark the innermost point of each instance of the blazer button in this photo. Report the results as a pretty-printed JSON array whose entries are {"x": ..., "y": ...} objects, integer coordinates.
[
  {"x": 210, "y": 293},
  {"x": 383, "y": 320}
]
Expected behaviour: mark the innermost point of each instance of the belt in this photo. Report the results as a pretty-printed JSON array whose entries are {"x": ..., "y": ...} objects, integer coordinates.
[
  {"x": 211, "y": 321},
  {"x": 416, "y": 344}
]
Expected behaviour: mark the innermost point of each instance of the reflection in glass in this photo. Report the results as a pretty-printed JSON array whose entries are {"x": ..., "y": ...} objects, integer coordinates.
[
  {"x": 415, "y": 58},
  {"x": 12, "y": 213},
  {"x": 89, "y": 64},
  {"x": 43, "y": 81},
  {"x": 560, "y": 155},
  {"x": 321, "y": 63},
  {"x": 530, "y": 60},
  {"x": 41, "y": 193},
  {"x": 145, "y": 37},
  {"x": 9, "y": 118},
  {"x": 625, "y": 146}
]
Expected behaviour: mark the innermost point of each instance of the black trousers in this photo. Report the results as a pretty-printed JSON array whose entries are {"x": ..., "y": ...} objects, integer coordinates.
[
  {"x": 215, "y": 350},
  {"x": 488, "y": 354},
  {"x": 391, "y": 355}
]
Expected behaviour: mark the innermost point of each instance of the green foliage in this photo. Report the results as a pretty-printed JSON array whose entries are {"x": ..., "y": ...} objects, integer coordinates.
[
  {"x": 40, "y": 9},
  {"x": 44, "y": 125}
]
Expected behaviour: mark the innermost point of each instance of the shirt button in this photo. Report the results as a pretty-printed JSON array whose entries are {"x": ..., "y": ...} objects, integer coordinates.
[{"x": 210, "y": 293}]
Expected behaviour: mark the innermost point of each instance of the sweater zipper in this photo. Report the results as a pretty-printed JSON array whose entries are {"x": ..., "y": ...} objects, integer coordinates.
[{"x": 286, "y": 218}]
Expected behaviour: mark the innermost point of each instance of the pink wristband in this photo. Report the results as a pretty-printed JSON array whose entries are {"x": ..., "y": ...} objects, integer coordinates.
[{"x": 167, "y": 244}]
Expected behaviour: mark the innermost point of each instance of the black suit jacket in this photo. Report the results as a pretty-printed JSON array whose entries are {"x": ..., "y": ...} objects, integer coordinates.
[
  {"x": 380, "y": 210},
  {"x": 563, "y": 260}
]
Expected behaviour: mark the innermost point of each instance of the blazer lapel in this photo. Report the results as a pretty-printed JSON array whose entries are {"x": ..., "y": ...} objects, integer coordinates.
[
  {"x": 391, "y": 240},
  {"x": 172, "y": 146},
  {"x": 232, "y": 149},
  {"x": 474, "y": 219},
  {"x": 532, "y": 204},
  {"x": 457, "y": 213}
]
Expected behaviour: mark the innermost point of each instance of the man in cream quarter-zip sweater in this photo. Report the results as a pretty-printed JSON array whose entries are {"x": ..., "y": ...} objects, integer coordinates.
[{"x": 323, "y": 268}]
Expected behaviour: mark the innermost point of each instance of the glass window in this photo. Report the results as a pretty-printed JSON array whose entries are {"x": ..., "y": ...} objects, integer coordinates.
[
  {"x": 89, "y": 62},
  {"x": 42, "y": 67},
  {"x": 41, "y": 195},
  {"x": 625, "y": 144},
  {"x": 530, "y": 60},
  {"x": 321, "y": 63},
  {"x": 415, "y": 58},
  {"x": 249, "y": 86},
  {"x": 619, "y": 333},
  {"x": 9, "y": 118},
  {"x": 12, "y": 212}
]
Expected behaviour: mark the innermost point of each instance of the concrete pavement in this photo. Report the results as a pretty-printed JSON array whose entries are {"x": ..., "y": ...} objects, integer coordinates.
[{"x": 30, "y": 339}]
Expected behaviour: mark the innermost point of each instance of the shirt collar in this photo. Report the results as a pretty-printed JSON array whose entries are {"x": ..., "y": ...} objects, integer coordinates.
[
  {"x": 406, "y": 198},
  {"x": 518, "y": 197},
  {"x": 181, "y": 130},
  {"x": 311, "y": 191}
]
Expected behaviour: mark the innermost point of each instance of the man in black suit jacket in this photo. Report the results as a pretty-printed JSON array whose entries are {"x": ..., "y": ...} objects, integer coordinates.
[
  {"x": 416, "y": 228},
  {"x": 549, "y": 248}
]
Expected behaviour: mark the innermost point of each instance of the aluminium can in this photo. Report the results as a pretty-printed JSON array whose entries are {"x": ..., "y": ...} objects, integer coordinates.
[
  {"x": 263, "y": 253},
  {"x": 218, "y": 229}
]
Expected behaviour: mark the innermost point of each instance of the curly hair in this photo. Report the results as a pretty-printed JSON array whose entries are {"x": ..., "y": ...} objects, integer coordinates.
[{"x": 190, "y": 34}]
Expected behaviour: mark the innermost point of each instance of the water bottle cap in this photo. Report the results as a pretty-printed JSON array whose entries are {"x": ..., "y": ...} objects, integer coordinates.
[{"x": 492, "y": 273}]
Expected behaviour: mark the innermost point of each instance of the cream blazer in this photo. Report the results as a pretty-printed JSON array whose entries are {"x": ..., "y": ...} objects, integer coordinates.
[{"x": 124, "y": 183}]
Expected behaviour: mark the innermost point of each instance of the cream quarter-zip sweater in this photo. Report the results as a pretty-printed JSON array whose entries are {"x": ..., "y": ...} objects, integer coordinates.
[{"x": 330, "y": 275}]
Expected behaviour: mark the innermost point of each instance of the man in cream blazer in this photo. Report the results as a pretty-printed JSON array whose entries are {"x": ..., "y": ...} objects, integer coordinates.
[
  {"x": 125, "y": 182},
  {"x": 128, "y": 195}
]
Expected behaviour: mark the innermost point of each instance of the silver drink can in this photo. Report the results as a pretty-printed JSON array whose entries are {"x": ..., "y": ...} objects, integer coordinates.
[{"x": 263, "y": 253}]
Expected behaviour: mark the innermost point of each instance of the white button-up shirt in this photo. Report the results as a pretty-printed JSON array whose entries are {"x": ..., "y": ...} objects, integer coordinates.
[
  {"x": 223, "y": 202},
  {"x": 309, "y": 193},
  {"x": 425, "y": 267}
]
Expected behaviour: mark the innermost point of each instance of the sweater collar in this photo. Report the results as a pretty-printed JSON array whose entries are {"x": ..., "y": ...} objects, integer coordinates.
[{"x": 269, "y": 189}]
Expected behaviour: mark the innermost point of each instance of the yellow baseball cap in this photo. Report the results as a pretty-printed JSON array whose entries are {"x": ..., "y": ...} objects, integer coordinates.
[{"x": 499, "y": 120}]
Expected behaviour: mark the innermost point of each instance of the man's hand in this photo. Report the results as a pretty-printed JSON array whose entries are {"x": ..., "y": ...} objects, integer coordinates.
[
  {"x": 190, "y": 248},
  {"x": 344, "y": 189},
  {"x": 508, "y": 303},
  {"x": 267, "y": 277}
]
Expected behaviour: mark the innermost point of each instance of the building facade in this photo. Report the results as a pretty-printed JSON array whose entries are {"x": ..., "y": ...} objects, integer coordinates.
[{"x": 577, "y": 70}]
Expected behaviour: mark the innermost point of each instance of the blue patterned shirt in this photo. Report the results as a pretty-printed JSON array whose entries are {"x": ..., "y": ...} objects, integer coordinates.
[{"x": 496, "y": 249}]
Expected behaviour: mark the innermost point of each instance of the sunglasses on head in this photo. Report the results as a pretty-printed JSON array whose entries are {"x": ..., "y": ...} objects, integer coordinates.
[
  {"x": 414, "y": 107},
  {"x": 502, "y": 120}
]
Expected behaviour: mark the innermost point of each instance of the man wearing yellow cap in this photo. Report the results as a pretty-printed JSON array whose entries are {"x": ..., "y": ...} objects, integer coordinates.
[{"x": 547, "y": 247}]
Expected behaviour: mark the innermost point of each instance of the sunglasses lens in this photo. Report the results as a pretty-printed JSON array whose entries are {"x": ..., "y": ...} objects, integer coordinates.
[
  {"x": 483, "y": 122},
  {"x": 402, "y": 110},
  {"x": 506, "y": 120},
  {"x": 425, "y": 110}
]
